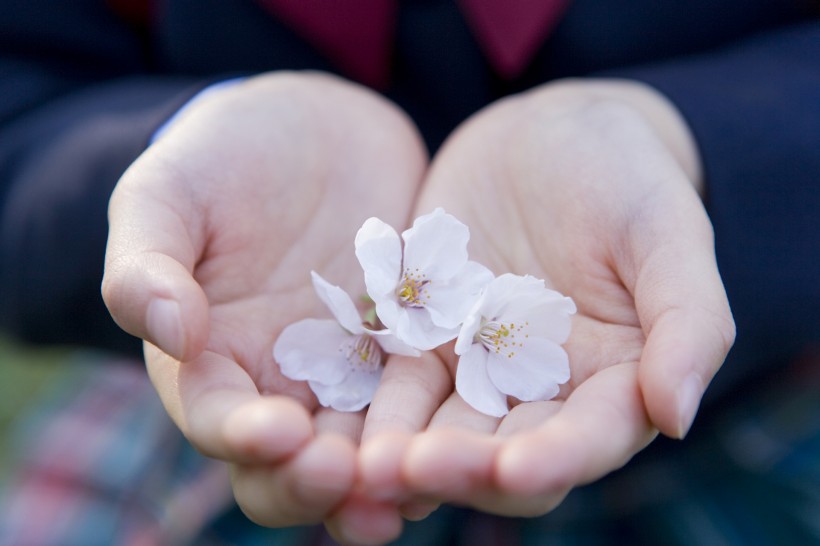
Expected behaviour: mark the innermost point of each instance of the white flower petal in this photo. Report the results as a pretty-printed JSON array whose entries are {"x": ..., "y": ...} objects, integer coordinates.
[
  {"x": 388, "y": 310},
  {"x": 416, "y": 328},
  {"x": 450, "y": 301},
  {"x": 469, "y": 328},
  {"x": 378, "y": 249},
  {"x": 352, "y": 394},
  {"x": 547, "y": 316},
  {"x": 309, "y": 350},
  {"x": 436, "y": 245},
  {"x": 524, "y": 300},
  {"x": 391, "y": 344},
  {"x": 509, "y": 291},
  {"x": 339, "y": 303},
  {"x": 531, "y": 372},
  {"x": 473, "y": 383}
]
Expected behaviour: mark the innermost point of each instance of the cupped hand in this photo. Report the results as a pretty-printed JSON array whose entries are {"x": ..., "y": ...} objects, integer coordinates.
[
  {"x": 593, "y": 186},
  {"x": 213, "y": 233}
]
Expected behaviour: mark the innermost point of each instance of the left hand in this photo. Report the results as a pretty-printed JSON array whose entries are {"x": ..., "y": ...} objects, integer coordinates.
[{"x": 592, "y": 186}]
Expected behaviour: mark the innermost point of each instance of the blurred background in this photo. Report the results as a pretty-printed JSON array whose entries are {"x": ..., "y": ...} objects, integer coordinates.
[{"x": 27, "y": 373}]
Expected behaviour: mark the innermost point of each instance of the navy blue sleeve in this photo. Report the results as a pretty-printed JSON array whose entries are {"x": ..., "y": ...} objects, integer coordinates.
[
  {"x": 754, "y": 110},
  {"x": 78, "y": 106}
]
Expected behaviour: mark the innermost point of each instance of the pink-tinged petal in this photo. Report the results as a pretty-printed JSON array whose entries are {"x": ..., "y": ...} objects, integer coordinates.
[
  {"x": 529, "y": 372},
  {"x": 416, "y": 328},
  {"x": 524, "y": 301},
  {"x": 451, "y": 301},
  {"x": 436, "y": 245},
  {"x": 378, "y": 249},
  {"x": 352, "y": 394},
  {"x": 339, "y": 303},
  {"x": 310, "y": 350},
  {"x": 388, "y": 309},
  {"x": 469, "y": 328},
  {"x": 473, "y": 383},
  {"x": 508, "y": 291},
  {"x": 547, "y": 316},
  {"x": 393, "y": 345}
]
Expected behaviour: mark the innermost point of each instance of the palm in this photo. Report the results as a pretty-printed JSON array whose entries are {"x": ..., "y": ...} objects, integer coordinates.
[
  {"x": 294, "y": 204},
  {"x": 527, "y": 216}
]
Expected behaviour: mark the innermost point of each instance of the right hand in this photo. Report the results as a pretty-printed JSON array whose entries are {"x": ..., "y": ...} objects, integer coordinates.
[{"x": 213, "y": 232}]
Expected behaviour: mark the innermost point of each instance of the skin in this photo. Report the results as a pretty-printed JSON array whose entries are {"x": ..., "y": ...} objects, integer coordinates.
[
  {"x": 592, "y": 185},
  {"x": 595, "y": 189},
  {"x": 214, "y": 231}
]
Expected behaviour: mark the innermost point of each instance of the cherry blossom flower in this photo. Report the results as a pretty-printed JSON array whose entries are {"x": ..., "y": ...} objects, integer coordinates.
[
  {"x": 510, "y": 344},
  {"x": 342, "y": 360},
  {"x": 423, "y": 293}
]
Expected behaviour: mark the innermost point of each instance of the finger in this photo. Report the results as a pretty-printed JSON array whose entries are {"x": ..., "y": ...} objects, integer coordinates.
[
  {"x": 456, "y": 413},
  {"x": 528, "y": 415},
  {"x": 217, "y": 407},
  {"x": 471, "y": 471},
  {"x": 684, "y": 350},
  {"x": 450, "y": 464},
  {"x": 598, "y": 429},
  {"x": 453, "y": 459},
  {"x": 380, "y": 466},
  {"x": 683, "y": 310},
  {"x": 458, "y": 466},
  {"x": 151, "y": 252},
  {"x": 347, "y": 424},
  {"x": 410, "y": 391},
  {"x": 303, "y": 490},
  {"x": 362, "y": 520}
]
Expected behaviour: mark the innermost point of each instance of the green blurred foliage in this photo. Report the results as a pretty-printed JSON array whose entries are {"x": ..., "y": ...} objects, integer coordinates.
[{"x": 25, "y": 371}]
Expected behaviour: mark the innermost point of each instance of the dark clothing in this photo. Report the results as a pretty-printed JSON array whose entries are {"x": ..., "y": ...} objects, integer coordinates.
[{"x": 84, "y": 85}]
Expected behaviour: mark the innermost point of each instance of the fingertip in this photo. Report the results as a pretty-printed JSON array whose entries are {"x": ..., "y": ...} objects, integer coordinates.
[
  {"x": 449, "y": 463},
  {"x": 365, "y": 521},
  {"x": 267, "y": 429},
  {"x": 687, "y": 401},
  {"x": 683, "y": 352},
  {"x": 154, "y": 297},
  {"x": 164, "y": 324},
  {"x": 325, "y": 468},
  {"x": 380, "y": 461},
  {"x": 525, "y": 466},
  {"x": 422, "y": 464},
  {"x": 304, "y": 489},
  {"x": 178, "y": 322}
]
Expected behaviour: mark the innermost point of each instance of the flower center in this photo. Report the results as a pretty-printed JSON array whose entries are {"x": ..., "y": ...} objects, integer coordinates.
[
  {"x": 411, "y": 290},
  {"x": 363, "y": 351},
  {"x": 501, "y": 338}
]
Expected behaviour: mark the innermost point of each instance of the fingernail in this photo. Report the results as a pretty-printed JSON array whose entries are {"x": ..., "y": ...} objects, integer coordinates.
[
  {"x": 164, "y": 326},
  {"x": 688, "y": 396}
]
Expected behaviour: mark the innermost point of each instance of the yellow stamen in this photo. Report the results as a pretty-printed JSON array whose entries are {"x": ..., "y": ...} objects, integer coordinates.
[
  {"x": 363, "y": 351},
  {"x": 499, "y": 337},
  {"x": 412, "y": 291}
]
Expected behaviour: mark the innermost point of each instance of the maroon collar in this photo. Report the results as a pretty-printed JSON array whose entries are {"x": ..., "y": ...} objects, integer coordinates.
[{"x": 357, "y": 35}]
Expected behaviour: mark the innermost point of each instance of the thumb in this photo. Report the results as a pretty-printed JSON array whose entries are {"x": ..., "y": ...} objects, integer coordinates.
[
  {"x": 148, "y": 285},
  {"x": 683, "y": 309}
]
